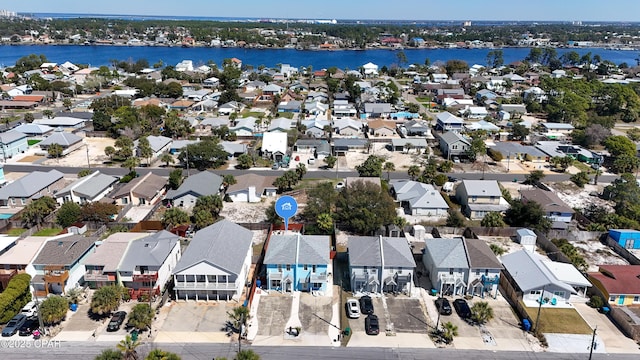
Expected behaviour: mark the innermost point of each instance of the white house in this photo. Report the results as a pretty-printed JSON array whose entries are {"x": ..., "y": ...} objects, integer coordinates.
[
  {"x": 419, "y": 198},
  {"x": 274, "y": 145},
  {"x": 90, "y": 188},
  {"x": 251, "y": 188},
  {"x": 370, "y": 69},
  {"x": 216, "y": 263}
]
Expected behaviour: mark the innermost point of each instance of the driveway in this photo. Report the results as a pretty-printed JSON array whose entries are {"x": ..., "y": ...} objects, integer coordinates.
[
  {"x": 273, "y": 313},
  {"x": 614, "y": 340},
  {"x": 194, "y": 322},
  {"x": 407, "y": 315},
  {"x": 315, "y": 313}
]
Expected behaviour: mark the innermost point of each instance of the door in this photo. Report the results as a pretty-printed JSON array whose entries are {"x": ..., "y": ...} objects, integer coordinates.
[{"x": 621, "y": 300}]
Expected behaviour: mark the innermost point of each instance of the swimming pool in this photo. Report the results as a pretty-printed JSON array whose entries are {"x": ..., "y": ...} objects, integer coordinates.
[{"x": 5, "y": 216}]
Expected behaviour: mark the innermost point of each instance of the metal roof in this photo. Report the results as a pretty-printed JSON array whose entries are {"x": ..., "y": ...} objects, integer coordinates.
[
  {"x": 30, "y": 184},
  {"x": 369, "y": 251},
  {"x": 90, "y": 185},
  {"x": 61, "y": 137},
  {"x": 529, "y": 272}
]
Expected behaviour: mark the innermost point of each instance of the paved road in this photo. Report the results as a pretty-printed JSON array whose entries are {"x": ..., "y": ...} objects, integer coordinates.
[
  {"x": 312, "y": 174},
  {"x": 87, "y": 350}
]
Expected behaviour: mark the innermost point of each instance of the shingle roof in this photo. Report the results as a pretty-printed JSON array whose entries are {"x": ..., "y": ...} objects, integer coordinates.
[
  {"x": 61, "y": 137},
  {"x": 223, "y": 244},
  {"x": 147, "y": 186},
  {"x": 11, "y": 136},
  {"x": 451, "y": 137},
  {"x": 246, "y": 180},
  {"x": 480, "y": 255},
  {"x": 35, "y": 129},
  {"x": 201, "y": 184},
  {"x": 418, "y": 195},
  {"x": 448, "y": 118},
  {"x": 149, "y": 251},
  {"x": 619, "y": 279},
  {"x": 447, "y": 253},
  {"x": 90, "y": 185},
  {"x": 64, "y": 251},
  {"x": 30, "y": 184},
  {"x": 367, "y": 251},
  {"x": 110, "y": 252},
  {"x": 549, "y": 201},
  {"x": 298, "y": 249},
  {"x": 397, "y": 252}
]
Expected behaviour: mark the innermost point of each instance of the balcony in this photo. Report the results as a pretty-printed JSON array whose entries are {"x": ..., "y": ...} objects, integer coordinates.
[
  {"x": 275, "y": 275},
  {"x": 145, "y": 277},
  {"x": 98, "y": 276},
  {"x": 204, "y": 286},
  {"x": 319, "y": 277},
  {"x": 55, "y": 274}
]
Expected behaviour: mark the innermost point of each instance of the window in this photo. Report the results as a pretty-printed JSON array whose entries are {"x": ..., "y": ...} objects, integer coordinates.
[
  {"x": 535, "y": 292},
  {"x": 13, "y": 201},
  {"x": 486, "y": 272},
  {"x": 373, "y": 270},
  {"x": 636, "y": 299},
  {"x": 612, "y": 298},
  {"x": 279, "y": 268},
  {"x": 305, "y": 267},
  {"x": 125, "y": 200},
  {"x": 450, "y": 271},
  {"x": 23, "y": 201},
  {"x": 275, "y": 283},
  {"x": 477, "y": 272},
  {"x": 288, "y": 267},
  {"x": 399, "y": 270},
  {"x": 558, "y": 293},
  {"x": 313, "y": 268}
]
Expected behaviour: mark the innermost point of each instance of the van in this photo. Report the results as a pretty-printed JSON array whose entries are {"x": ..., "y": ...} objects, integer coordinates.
[
  {"x": 30, "y": 309},
  {"x": 311, "y": 161}
]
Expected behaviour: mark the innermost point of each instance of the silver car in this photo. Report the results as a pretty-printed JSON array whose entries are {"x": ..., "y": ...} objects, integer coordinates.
[{"x": 353, "y": 309}]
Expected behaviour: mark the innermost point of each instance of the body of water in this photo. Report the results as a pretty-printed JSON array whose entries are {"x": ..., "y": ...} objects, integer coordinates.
[{"x": 343, "y": 59}]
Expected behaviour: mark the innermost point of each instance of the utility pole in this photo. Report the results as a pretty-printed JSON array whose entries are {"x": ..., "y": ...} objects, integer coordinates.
[
  {"x": 540, "y": 300},
  {"x": 40, "y": 323},
  {"x": 88, "y": 162},
  {"x": 593, "y": 343},
  {"x": 508, "y": 160}
]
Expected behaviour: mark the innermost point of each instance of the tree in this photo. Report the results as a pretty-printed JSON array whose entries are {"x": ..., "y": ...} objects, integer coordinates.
[
  {"x": 372, "y": 167},
  {"x": 35, "y": 212},
  {"x": 455, "y": 218},
  {"x": 55, "y": 150},
  {"x": 106, "y": 299},
  {"x": 238, "y": 318},
  {"x": 321, "y": 199},
  {"x": 109, "y": 354},
  {"x": 633, "y": 134},
  {"x": 28, "y": 118},
  {"x": 68, "y": 214},
  {"x": 204, "y": 154},
  {"x": 580, "y": 179},
  {"x": 363, "y": 207},
  {"x": 141, "y": 316},
  {"x": 15, "y": 296},
  {"x": 493, "y": 219},
  {"x": 209, "y": 203},
  {"x": 619, "y": 145},
  {"x": 84, "y": 172},
  {"x": 131, "y": 163},
  {"x": 124, "y": 146},
  {"x": 624, "y": 164},
  {"x": 301, "y": 170},
  {"x": 534, "y": 177},
  {"x": 529, "y": 214},
  {"x": 413, "y": 171},
  {"x": 477, "y": 147},
  {"x": 456, "y": 66},
  {"x": 287, "y": 181},
  {"x": 99, "y": 212},
  {"x": 128, "y": 347},
  {"x": 330, "y": 161},
  {"x": 325, "y": 223},
  {"x": 449, "y": 331},
  {"x": 481, "y": 312},
  {"x": 247, "y": 355},
  {"x": 66, "y": 102},
  {"x": 145, "y": 150},
  {"x": 244, "y": 161},
  {"x": 272, "y": 217},
  {"x": 167, "y": 159},
  {"x": 445, "y": 166},
  {"x": 519, "y": 132},
  {"x": 157, "y": 354},
  {"x": 176, "y": 126},
  {"x": 175, "y": 179},
  {"x": 202, "y": 218},
  {"x": 174, "y": 217},
  {"x": 110, "y": 151},
  {"x": 595, "y": 134},
  {"x": 389, "y": 167},
  {"x": 47, "y": 113},
  {"x": 53, "y": 309}
]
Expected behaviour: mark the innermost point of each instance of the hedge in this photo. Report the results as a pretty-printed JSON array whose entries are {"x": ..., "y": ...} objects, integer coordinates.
[{"x": 14, "y": 297}]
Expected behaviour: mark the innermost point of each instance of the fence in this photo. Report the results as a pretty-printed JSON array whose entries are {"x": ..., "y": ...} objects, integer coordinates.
[
  {"x": 474, "y": 232},
  {"x": 509, "y": 290},
  {"x": 553, "y": 252},
  {"x": 632, "y": 259},
  {"x": 618, "y": 316}
]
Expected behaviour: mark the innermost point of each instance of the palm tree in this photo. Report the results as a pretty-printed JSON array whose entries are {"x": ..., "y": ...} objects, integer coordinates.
[
  {"x": 167, "y": 158},
  {"x": 131, "y": 163},
  {"x": 47, "y": 113},
  {"x": 247, "y": 355},
  {"x": 158, "y": 354},
  {"x": 301, "y": 169},
  {"x": 389, "y": 167},
  {"x": 110, "y": 151},
  {"x": 228, "y": 180},
  {"x": 128, "y": 348},
  {"x": 109, "y": 354},
  {"x": 449, "y": 331},
  {"x": 481, "y": 312},
  {"x": 238, "y": 317},
  {"x": 414, "y": 171}
]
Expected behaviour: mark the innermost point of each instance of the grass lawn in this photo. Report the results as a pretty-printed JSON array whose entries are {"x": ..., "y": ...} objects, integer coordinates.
[
  {"x": 423, "y": 99},
  {"x": 16, "y": 231},
  {"x": 255, "y": 114},
  {"x": 48, "y": 232},
  {"x": 582, "y": 166},
  {"x": 560, "y": 321},
  {"x": 32, "y": 142}
]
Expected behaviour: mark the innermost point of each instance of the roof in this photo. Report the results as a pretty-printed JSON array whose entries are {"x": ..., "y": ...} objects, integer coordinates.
[
  {"x": 447, "y": 253},
  {"x": 566, "y": 273},
  {"x": 526, "y": 232},
  {"x": 377, "y": 108},
  {"x": 64, "y": 250},
  {"x": 446, "y": 117},
  {"x": 23, "y": 252},
  {"x": 201, "y": 184},
  {"x": 506, "y": 147},
  {"x": 30, "y": 184},
  {"x": 149, "y": 251},
  {"x": 61, "y": 137},
  {"x": 619, "y": 279},
  {"x": 223, "y": 244},
  {"x": 480, "y": 255},
  {"x": 379, "y": 124},
  {"x": 35, "y": 129},
  {"x": 419, "y": 195},
  {"x": 417, "y": 143},
  {"x": 109, "y": 253},
  {"x": 368, "y": 251},
  {"x": 482, "y": 188},
  {"x": 349, "y": 142},
  {"x": 281, "y": 123},
  {"x": 90, "y": 185},
  {"x": 147, "y": 186},
  {"x": 157, "y": 143},
  {"x": 451, "y": 137},
  {"x": 11, "y": 136},
  {"x": 529, "y": 272},
  {"x": 245, "y": 180},
  {"x": 549, "y": 201},
  {"x": 233, "y": 148},
  {"x": 557, "y": 126},
  {"x": 274, "y": 142},
  {"x": 60, "y": 121},
  {"x": 298, "y": 249}
]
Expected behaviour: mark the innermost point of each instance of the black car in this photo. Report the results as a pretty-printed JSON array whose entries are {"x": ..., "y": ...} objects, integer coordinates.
[
  {"x": 462, "y": 308},
  {"x": 13, "y": 325},
  {"x": 443, "y": 306},
  {"x": 116, "y": 321},
  {"x": 366, "y": 305},
  {"x": 27, "y": 328},
  {"x": 371, "y": 325}
]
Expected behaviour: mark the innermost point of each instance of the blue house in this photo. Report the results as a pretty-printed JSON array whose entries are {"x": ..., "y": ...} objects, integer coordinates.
[
  {"x": 297, "y": 262},
  {"x": 628, "y": 239},
  {"x": 445, "y": 121},
  {"x": 12, "y": 143}
]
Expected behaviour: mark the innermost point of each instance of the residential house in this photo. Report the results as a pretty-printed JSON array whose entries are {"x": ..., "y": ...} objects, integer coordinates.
[
  {"x": 68, "y": 141},
  {"x": 482, "y": 125},
  {"x": 342, "y": 146},
  {"x": 347, "y": 127},
  {"x": 445, "y": 261},
  {"x": 20, "y": 256},
  {"x": 32, "y": 130},
  {"x": 36, "y": 184},
  {"x": 620, "y": 284},
  {"x": 216, "y": 263},
  {"x": 65, "y": 122},
  {"x": 517, "y": 151},
  {"x": 418, "y": 198},
  {"x": 101, "y": 266},
  {"x": 269, "y": 92},
  {"x": 178, "y": 145},
  {"x": 453, "y": 144},
  {"x": 560, "y": 128},
  {"x": 445, "y": 121},
  {"x": 316, "y": 108},
  {"x": 230, "y": 107},
  {"x": 554, "y": 208},
  {"x": 627, "y": 238},
  {"x": 484, "y": 268},
  {"x": 204, "y": 183},
  {"x": 562, "y": 149},
  {"x": 480, "y": 197},
  {"x": 12, "y": 143},
  {"x": 148, "y": 264},
  {"x": 342, "y": 108},
  {"x": 213, "y": 123},
  {"x": 282, "y": 125},
  {"x": 158, "y": 144},
  {"x": 512, "y": 111},
  {"x": 59, "y": 266},
  {"x": 316, "y": 127},
  {"x": 212, "y": 82},
  {"x": 296, "y": 262},
  {"x": 292, "y": 106},
  {"x": 144, "y": 190},
  {"x": 274, "y": 145},
  {"x": 417, "y": 145},
  {"x": 416, "y": 128},
  {"x": 485, "y": 94},
  {"x": 370, "y": 69},
  {"x": 377, "y": 110},
  {"x": 90, "y": 188},
  {"x": 380, "y": 264},
  {"x": 474, "y": 112},
  {"x": 382, "y": 128},
  {"x": 251, "y": 188},
  {"x": 543, "y": 282},
  {"x": 244, "y": 126},
  {"x": 234, "y": 149}
]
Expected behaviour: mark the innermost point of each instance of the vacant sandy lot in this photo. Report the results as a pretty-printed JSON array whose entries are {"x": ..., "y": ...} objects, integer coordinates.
[
  {"x": 243, "y": 212},
  {"x": 400, "y": 159},
  {"x": 79, "y": 157}
]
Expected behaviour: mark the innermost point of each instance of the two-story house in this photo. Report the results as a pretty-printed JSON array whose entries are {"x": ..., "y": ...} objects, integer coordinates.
[
  {"x": 446, "y": 263},
  {"x": 446, "y": 121},
  {"x": 480, "y": 197},
  {"x": 216, "y": 263},
  {"x": 297, "y": 262},
  {"x": 148, "y": 263},
  {"x": 453, "y": 144},
  {"x": 378, "y": 264},
  {"x": 12, "y": 143},
  {"x": 90, "y": 188},
  {"x": 31, "y": 186},
  {"x": 144, "y": 190},
  {"x": 554, "y": 208}
]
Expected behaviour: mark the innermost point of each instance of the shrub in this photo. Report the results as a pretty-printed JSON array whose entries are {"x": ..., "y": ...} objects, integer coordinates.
[
  {"x": 596, "y": 302},
  {"x": 495, "y": 155},
  {"x": 14, "y": 297},
  {"x": 440, "y": 179},
  {"x": 54, "y": 309}
]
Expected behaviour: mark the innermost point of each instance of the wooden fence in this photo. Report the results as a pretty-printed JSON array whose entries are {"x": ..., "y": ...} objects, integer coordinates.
[{"x": 618, "y": 316}]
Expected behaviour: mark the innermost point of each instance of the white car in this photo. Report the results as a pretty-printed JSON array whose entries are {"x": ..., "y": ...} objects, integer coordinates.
[
  {"x": 30, "y": 309},
  {"x": 340, "y": 185},
  {"x": 353, "y": 309}
]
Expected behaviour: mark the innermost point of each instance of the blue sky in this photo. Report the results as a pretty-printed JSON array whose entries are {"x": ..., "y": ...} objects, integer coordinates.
[{"x": 585, "y": 10}]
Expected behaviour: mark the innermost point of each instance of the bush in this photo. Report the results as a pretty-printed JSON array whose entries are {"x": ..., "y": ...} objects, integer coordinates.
[
  {"x": 580, "y": 179},
  {"x": 130, "y": 176},
  {"x": 440, "y": 179},
  {"x": 54, "y": 309},
  {"x": 495, "y": 155},
  {"x": 14, "y": 297},
  {"x": 596, "y": 302}
]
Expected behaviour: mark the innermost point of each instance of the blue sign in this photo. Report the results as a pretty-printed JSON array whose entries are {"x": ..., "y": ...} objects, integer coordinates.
[{"x": 286, "y": 208}]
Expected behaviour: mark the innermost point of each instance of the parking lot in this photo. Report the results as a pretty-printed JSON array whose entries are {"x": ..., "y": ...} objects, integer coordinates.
[{"x": 357, "y": 325}]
